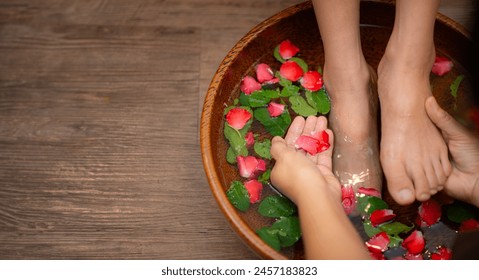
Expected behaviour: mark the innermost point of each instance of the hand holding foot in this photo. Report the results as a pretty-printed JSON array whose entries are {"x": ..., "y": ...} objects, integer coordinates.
[{"x": 463, "y": 183}]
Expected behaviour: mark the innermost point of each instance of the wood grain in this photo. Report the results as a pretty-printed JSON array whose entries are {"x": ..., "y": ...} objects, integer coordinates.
[{"x": 99, "y": 107}]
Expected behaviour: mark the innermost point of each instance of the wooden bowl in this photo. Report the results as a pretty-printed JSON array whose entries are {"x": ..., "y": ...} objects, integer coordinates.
[{"x": 298, "y": 24}]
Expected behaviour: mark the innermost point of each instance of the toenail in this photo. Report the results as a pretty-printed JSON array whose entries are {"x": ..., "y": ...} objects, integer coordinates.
[
  {"x": 424, "y": 197},
  {"x": 405, "y": 194}
]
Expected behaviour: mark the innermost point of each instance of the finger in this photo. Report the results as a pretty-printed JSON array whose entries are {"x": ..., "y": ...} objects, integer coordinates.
[
  {"x": 278, "y": 147},
  {"x": 321, "y": 124},
  {"x": 325, "y": 158},
  {"x": 310, "y": 125},
  {"x": 450, "y": 127},
  {"x": 294, "y": 131}
]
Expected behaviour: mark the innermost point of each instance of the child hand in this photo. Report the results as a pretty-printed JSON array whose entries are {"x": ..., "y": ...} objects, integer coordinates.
[
  {"x": 463, "y": 183},
  {"x": 294, "y": 169}
]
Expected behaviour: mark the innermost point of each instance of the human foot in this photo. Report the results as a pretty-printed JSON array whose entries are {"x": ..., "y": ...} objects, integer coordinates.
[
  {"x": 353, "y": 119},
  {"x": 413, "y": 154}
]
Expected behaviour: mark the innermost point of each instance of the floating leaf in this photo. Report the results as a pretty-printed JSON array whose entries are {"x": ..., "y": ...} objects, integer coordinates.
[
  {"x": 237, "y": 142},
  {"x": 458, "y": 212},
  {"x": 264, "y": 178},
  {"x": 319, "y": 100},
  {"x": 230, "y": 155},
  {"x": 277, "y": 55},
  {"x": 368, "y": 204},
  {"x": 369, "y": 229},
  {"x": 455, "y": 85},
  {"x": 238, "y": 196},
  {"x": 301, "y": 63},
  {"x": 301, "y": 107},
  {"x": 290, "y": 90},
  {"x": 276, "y": 126},
  {"x": 394, "y": 241},
  {"x": 258, "y": 99},
  {"x": 320, "y": 70},
  {"x": 276, "y": 206},
  {"x": 244, "y": 99},
  {"x": 395, "y": 228},
  {"x": 282, "y": 81},
  {"x": 289, "y": 230},
  {"x": 263, "y": 148},
  {"x": 271, "y": 93},
  {"x": 270, "y": 237}
]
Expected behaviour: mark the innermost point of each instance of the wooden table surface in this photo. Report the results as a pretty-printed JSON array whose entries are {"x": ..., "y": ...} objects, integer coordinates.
[{"x": 99, "y": 110}]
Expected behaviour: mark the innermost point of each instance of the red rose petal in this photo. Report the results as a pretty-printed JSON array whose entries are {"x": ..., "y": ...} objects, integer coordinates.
[
  {"x": 238, "y": 117},
  {"x": 369, "y": 192},
  {"x": 254, "y": 188},
  {"x": 469, "y": 224},
  {"x": 378, "y": 243},
  {"x": 442, "y": 253},
  {"x": 348, "y": 199},
  {"x": 264, "y": 73},
  {"x": 249, "y": 85},
  {"x": 429, "y": 212},
  {"x": 441, "y": 66},
  {"x": 249, "y": 138},
  {"x": 414, "y": 243},
  {"x": 291, "y": 70},
  {"x": 275, "y": 109},
  {"x": 250, "y": 166},
  {"x": 312, "y": 80},
  {"x": 381, "y": 216},
  {"x": 316, "y": 143},
  {"x": 287, "y": 50}
]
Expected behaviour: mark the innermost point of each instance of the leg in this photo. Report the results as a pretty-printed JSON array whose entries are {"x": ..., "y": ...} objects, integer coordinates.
[
  {"x": 413, "y": 154},
  {"x": 353, "y": 116}
]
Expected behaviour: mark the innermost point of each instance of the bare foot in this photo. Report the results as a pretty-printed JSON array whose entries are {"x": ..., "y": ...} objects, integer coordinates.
[
  {"x": 353, "y": 119},
  {"x": 414, "y": 156}
]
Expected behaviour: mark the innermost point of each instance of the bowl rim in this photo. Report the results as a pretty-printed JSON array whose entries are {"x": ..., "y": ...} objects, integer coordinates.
[{"x": 242, "y": 229}]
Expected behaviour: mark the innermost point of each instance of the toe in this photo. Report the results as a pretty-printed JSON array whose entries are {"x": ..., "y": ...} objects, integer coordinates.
[
  {"x": 421, "y": 184},
  {"x": 399, "y": 184}
]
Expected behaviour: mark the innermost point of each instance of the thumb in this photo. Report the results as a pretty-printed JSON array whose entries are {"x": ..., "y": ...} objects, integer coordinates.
[
  {"x": 449, "y": 126},
  {"x": 278, "y": 147}
]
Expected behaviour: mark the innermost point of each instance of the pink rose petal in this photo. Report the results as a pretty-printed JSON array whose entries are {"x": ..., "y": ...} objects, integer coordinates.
[
  {"x": 441, "y": 66},
  {"x": 369, "y": 192},
  {"x": 381, "y": 216},
  {"x": 378, "y": 243},
  {"x": 429, "y": 212},
  {"x": 249, "y": 85},
  {"x": 287, "y": 50},
  {"x": 254, "y": 188},
  {"x": 414, "y": 243},
  {"x": 249, "y": 138},
  {"x": 249, "y": 166},
  {"x": 264, "y": 73},
  {"x": 291, "y": 70},
  {"x": 442, "y": 253},
  {"x": 312, "y": 81},
  {"x": 348, "y": 199},
  {"x": 275, "y": 109},
  {"x": 238, "y": 117}
]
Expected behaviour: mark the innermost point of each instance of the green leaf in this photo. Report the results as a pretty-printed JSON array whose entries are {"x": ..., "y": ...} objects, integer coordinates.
[
  {"x": 394, "y": 241},
  {"x": 320, "y": 70},
  {"x": 368, "y": 204},
  {"x": 258, "y": 99},
  {"x": 230, "y": 155},
  {"x": 244, "y": 99},
  {"x": 237, "y": 142},
  {"x": 301, "y": 63},
  {"x": 301, "y": 107},
  {"x": 289, "y": 90},
  {"x": 369, "y": 229},
  {"x": 238, "y": 196},
  {"x": 319, "y": 100},
  {"x": 455, "y": 85},
  {"x": 458, "y": 212},
  {"x": 271, "y": 93},
  {"x": 270, "y": 237},
  {"x": 276, "y": 206},
  {"x": 289, "y": 230},
  {"x": 277, "y": 55},
  {"x": 264, "y": 178},
  {"x": 263, "y": 148},
  {"x": 395, "y": 228},
  {"x": 276, "y": 126}
]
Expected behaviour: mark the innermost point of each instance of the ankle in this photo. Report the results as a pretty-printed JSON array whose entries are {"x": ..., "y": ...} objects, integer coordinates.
[{"x": 347, "y": 79}]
